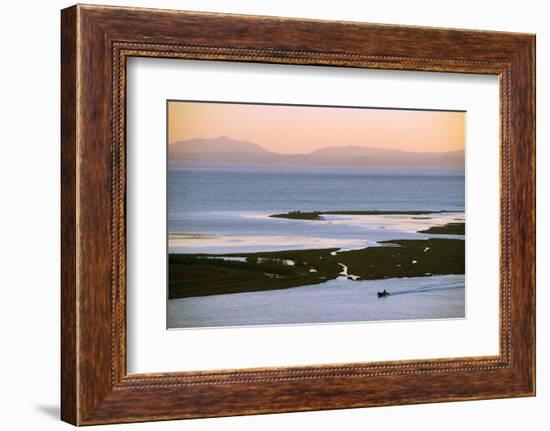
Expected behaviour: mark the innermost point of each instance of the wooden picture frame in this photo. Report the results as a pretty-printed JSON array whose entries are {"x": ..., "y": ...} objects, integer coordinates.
[{"x": 96, "y": 41}]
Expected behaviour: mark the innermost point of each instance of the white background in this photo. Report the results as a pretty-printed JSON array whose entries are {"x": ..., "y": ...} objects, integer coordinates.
[
  {"x": 151, "y": 348},
  {"x": 29, "y": 170}
]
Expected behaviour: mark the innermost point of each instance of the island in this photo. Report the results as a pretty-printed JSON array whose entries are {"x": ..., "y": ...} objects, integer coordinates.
[{"x": 317, "y": 215}]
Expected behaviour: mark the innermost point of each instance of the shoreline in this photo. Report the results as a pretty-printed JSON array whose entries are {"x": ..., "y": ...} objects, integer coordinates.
[
  {"x": 437, "y": 249},
  {"x": 193, "y": 275},
  {"x": 317, "y": 215}
]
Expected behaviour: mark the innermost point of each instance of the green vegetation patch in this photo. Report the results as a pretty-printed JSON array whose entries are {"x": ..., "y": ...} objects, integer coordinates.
[
  {"x": 203, "y": 275},
  {"x": 406, "y": 258},
  {"x": 448, "y": 229},
  {"x": 300, "y": 215}
]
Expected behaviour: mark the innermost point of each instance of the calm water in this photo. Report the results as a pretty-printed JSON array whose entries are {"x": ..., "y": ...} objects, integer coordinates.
[
  {"x": 338, "y": 300},
  {"x": 226, "y": 209},
  {"x": 235, "y": 200}
]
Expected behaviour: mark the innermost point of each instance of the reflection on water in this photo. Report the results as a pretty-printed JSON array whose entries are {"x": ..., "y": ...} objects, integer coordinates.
[
  {"x": 346, "y": 232},
  {"x": 220, "y": 244}
]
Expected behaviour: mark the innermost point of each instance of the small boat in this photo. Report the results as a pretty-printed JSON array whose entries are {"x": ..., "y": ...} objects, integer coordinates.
[{"x": 383, "y": 293}]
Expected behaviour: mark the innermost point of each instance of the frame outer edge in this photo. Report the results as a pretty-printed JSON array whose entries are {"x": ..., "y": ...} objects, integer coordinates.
[
  {"x": 69, "y": 196},
  {"x": 533, "y": 53},
  {"x": 88, "y": 397},
  {"x": 523, "y": 217},
  {"x": 532, "y": 79}
]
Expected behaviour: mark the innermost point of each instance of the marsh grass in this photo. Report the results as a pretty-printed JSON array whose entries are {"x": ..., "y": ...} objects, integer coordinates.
[
  {"x": 203, "y": 275},
  {"x": 448, "y": 229}
]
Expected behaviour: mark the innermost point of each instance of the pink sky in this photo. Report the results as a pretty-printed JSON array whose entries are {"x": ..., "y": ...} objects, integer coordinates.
[{"x": 302, "y": 129}]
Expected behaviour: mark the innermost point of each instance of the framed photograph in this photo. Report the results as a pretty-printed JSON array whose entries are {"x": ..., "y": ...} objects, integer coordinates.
[{"x": 263, "y": 215}]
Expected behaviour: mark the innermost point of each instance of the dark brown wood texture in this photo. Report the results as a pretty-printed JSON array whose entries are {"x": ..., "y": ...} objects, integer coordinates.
[{"x": 96, "y": 41}]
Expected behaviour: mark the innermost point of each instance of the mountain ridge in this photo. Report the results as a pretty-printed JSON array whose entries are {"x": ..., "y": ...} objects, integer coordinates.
[{"x": 225, "y": 150}]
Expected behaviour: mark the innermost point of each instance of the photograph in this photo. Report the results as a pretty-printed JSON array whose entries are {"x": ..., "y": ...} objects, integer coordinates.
[{"x": 281, "y": 214}]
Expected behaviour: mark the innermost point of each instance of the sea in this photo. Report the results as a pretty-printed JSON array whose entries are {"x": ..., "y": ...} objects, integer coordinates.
[{"x": 226, "y": 209}]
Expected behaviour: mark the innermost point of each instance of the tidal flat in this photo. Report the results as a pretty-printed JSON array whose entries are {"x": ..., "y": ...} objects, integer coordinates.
[{"x": 194, "y": 275}]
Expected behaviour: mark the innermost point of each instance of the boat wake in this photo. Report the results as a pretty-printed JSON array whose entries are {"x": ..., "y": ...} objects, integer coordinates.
[{"x": 425, "y": 289}]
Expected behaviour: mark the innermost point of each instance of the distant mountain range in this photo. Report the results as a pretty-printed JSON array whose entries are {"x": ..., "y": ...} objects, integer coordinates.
[{"x": 224, "y": 150}]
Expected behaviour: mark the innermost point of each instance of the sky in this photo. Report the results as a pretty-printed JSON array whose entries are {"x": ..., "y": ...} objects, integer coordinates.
[{"x": 292, "y": 129}]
